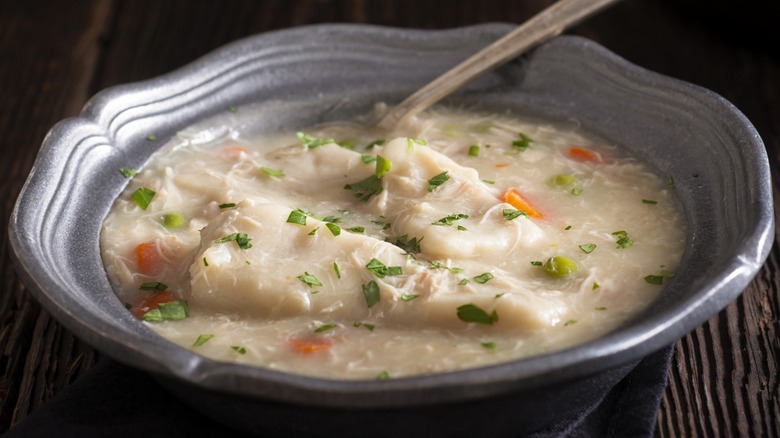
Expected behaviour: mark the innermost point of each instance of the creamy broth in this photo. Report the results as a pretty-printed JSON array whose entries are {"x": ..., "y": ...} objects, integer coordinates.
[{"x": 465, "y": 240}]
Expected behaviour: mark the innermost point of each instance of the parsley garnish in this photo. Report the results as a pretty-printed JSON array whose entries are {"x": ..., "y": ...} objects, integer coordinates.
[
  {"x": 357, "y": 230},
  {"x": 600, "y": 308},
  {"x": 205, "y": 262},
  {"x": 522, "y": 142},
  {"x": 649, "y": 201},
  {"x": 233, "y": 109},
  {"x": 238, "y": 349},
  {"x": 473, "y": 150},
  {"x": 366, "y": 188},
  {"x": 227, "y": 205},
  {"x": 570, "y": 322},
  {"x": 309, "y": 279},
  {"x": 143, "y": 197},
  {"x": 337, "y": 270},
  {"x": 334, "y": 229},
  {"x": 383, "y": 166},
  {"x": 377, "y": 142},
  {"x": 151, "y": 137},
  {"x": 155, "y": 286},
  {"x": 313, "y": 142},
  {"x": 411, "y": 141},
  {"x": 488, "y": 181},
  {"x": 409, "y": 297},
  {"x": 369, "y": 327},
  {"x": 670, "y": 182},
  {"x": 588, "y": 248},
  {"x": 510, "y": 213},
  {"x": 383, "y": 376},
  {"x": 325, "y": 327},
  {"x": 483, "y": 278},
  {"x": 409, "y": 245},
  {"x": 576, "y": 191},
  {"x": 463, "y": 281},
  {"x": 128, "y": 172},
  {"x": 568, "y": 227},
  {"x": 202, "y": 339},
  {"x": 297, "y": 216},
  {"x": 313, "y": 231},
  {"x": 490, "y": 345},
  {"x": 623, "y": 241},
  {"x": 272, "y": 172},
  {"x": 448, "y": 220},
  {"x": 241, "y": 239},
  {"x": 435, "y": 264},
  {"x": 472, "y": 313},
  {"x": 654, "y": 279},
  {"x": 172, "y": 311},
  {"x": 536, "y": 262},
  {"x": 371, "y": 293},
  {"x": 381, "y": 270},
  {"x": 595, "y": 285},
  {"x": 438, "y": 180},
  {"x": 367, "y": 158}
]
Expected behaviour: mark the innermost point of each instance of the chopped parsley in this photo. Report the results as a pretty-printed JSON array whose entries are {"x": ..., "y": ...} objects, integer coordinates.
[
  {"x": 325, "y": 327},
  {"x": 654, "y": 279},
  {"x": 357, "y": 230},
  {"x": 600, "y": 308},
  {"x": 381, "y": 270},
  {"x": 411, "y": 246},
  {"x": 337, "y": 270},
  {"x": 241, "y": 239},
  {"x": 371, "y": 293},
  {"x": 227, "y": 205},
  {"x": 667, "y": 274},
  {"x": 448, "y": 220},
  {"x": 297, "y": 216},
  {"x": 488, "y": 181},
  {"x": 483, "y": 278},
  {"x": 649, "y": 201},
  {"x": 537, "y": 263},
  {"x": 366, "y": 188},
  {"x": 272, "y": 172},
  {"x": 511, "y": 213},
  {"x": 463, "y": 282},
  {"x": 588, "y": 248},
  {"x": 369, "y": 327},
  {"x": 623, "y": 241},
  {"x": 409, "y": 297},
  {"x": 438, "y": 180},
  {"x": 313, "y": 142},
  {"x": 313, "y": 231},
  {"x": 522, "y": 142},
  {"x": 238, "y": 349},
  {"x": 570, "y": 322},
  {"x": 576, "y": 191},
  {"x": 462, "y": 228},
  {"x": 595, "y": 286},
  {"x": 435, "y": 264},
  {"x": 155, "y": 286},
  {"x": 383, "y": 166},
  {"x": 205, "y": 262},
  {"x": 128, "y": 172},
  {"x": 490, "y": 345},
  {"x": 411, "y": 141},
  {"x": 172, "y": 311},
  {"x": 472, "y": 313},
  {"x": 368, "y": 159},
  {"x": 377, "y": 142},
  {"x": 233, "y": 109},
  {"x": 568, "y": 227},
  {"x": 151, "y": 137},
  {"x": 383, "y": 376},
  {"x": 143, "y": 197},
  {"x": 309, "y": 279},
  {"x": 670, "y": 182},
  {"x": 202, "y": 339},
  {"x": 334, "y": 229},
  {"x": 473, "y": 150}
]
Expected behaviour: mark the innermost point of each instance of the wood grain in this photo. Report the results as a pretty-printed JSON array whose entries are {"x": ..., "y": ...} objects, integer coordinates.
[{"x": 724, "y": 381}]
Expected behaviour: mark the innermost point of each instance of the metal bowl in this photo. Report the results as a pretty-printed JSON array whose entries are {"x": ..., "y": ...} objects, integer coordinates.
[{"x": 311, "y": 74}]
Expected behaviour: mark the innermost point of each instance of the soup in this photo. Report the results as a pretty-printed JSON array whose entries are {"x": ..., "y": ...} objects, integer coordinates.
[{"x": 463, "y": 240}]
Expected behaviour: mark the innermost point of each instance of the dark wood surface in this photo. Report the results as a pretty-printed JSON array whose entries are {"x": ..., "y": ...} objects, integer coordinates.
[{"x": 54, "y": 55}]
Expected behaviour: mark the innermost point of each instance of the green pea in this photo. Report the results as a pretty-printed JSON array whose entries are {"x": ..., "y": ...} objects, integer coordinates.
[
  {"x": 172, "y": 220},
  {"x": 563, "y": 181},
  {"x": 560, "y": 266}
]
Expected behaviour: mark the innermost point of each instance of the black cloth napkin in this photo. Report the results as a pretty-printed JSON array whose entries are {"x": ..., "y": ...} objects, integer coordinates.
[{"x": 113, "y": 400}]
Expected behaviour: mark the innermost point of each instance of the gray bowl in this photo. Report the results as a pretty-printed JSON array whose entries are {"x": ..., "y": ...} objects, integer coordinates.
[{"x": 307, "y": 75}]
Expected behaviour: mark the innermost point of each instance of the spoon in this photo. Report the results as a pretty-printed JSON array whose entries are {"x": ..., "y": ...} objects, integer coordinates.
[{"x": 542, "y": 27}]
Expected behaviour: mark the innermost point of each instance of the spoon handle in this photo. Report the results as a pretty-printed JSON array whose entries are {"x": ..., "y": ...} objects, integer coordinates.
[{"x": 540, "y": 28}]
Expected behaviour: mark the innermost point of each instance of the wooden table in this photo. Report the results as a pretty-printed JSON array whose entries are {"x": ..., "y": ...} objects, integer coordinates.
[{"x": 55, "y": 55}]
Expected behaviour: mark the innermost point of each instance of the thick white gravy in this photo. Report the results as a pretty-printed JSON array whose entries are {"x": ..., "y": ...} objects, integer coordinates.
[{"x": 300, "y": 298}]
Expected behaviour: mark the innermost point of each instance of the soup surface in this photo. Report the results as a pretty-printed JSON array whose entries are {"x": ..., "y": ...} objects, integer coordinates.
[{"x": 465, "y": 239}]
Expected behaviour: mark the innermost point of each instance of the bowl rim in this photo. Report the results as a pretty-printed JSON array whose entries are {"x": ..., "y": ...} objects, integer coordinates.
[{"x": 104, "y": 112}]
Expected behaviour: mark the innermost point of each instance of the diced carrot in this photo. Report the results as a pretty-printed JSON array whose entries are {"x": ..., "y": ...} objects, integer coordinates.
[
  {"x": 232, "y": 152},
  {"x": 309, "y": 345},
  {"x": 148, "y": 258},
  {"x": 583, "y": 154},
  {"x": 516, "y": 200},
  {"x": 501, "y": 165},
  {"x": 152, "y": 303}
]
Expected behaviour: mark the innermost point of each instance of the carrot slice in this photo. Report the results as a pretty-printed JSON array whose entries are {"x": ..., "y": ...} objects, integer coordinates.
[
  {"x": 152, "y": 303},
  {"x": 148, "y": 258},
  {"x": 309, "y": 345},
  {"x": 232, "y": 152},
  {"x": 516, "y": 200},
  {"x": 502, "y": 165},
  {"x": 583, "y": 154}
]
